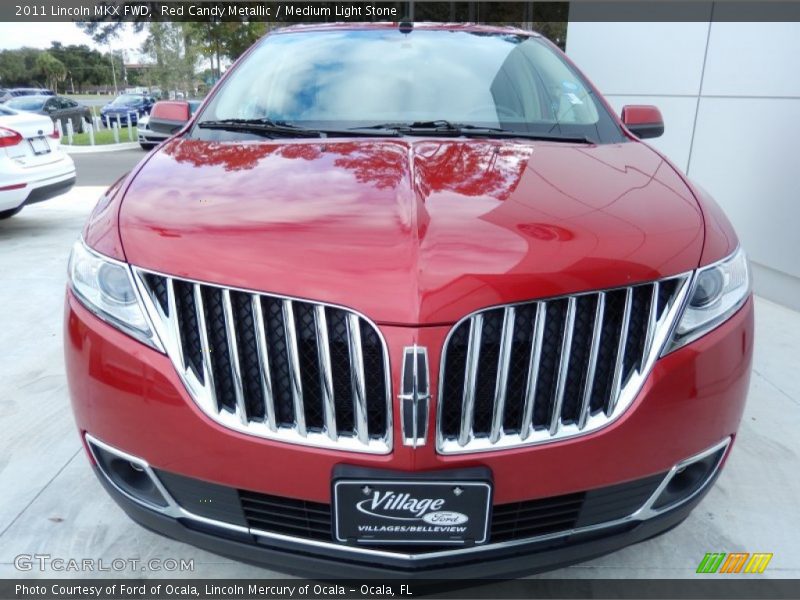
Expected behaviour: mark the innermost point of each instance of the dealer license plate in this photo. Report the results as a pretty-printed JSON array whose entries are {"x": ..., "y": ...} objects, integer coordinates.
[{"x": 411, "y": 512}]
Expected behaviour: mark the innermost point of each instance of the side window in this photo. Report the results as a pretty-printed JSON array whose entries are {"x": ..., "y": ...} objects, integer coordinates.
[{"x": 51, "y": 104}]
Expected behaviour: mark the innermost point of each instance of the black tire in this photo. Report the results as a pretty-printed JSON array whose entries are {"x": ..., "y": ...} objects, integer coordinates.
[
  {"x": 147, "y": 147},
  {"x": 79, "y": 128},
  {"x": 7, "y": 214}
]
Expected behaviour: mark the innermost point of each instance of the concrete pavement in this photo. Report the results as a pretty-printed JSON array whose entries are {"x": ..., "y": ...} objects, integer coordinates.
[
  {"x": 104, "y": 169},
  {"x": 50, "y": 502}
]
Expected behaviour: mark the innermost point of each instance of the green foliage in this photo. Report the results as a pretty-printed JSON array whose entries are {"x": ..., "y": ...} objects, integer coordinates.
[
  {"x": 51, "y": 69},
  {"x": 82, "y": 67}
]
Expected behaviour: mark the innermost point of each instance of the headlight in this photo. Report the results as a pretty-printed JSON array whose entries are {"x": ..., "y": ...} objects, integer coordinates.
[
  {"x": 717, "y": 292},
  {"x": 106, "y": 288}
]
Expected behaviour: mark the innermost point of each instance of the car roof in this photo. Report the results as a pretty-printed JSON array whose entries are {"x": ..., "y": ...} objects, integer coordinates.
[
  {"x": 41, "y": 91},
  {"x": 425, "y": 25}
]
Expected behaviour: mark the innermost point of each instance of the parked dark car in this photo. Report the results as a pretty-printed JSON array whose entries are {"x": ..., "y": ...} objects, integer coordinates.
[
  {"x": 9, "y": 93},
  {"x": 58, "y": 108},
  {"x": 127, "y": 106}
]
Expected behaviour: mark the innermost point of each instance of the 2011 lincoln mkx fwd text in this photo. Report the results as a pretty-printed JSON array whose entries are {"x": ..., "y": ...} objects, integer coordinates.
[{"x": 412, "y": 299}]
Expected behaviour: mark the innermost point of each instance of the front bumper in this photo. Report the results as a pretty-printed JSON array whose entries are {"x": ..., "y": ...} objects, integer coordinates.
[
  {"x": 147, "y": 136},
  {"x": 294, "y": 559},
  {"x": 131, "y": 398}
]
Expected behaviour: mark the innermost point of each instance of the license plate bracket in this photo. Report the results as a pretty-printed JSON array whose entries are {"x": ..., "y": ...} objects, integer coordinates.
[
  {"x": 442, "y": 511},
  {"x": 39, "y": 145}
]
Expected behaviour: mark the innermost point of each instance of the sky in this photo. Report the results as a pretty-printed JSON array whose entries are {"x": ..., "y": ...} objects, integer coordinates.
[{"x": 40, "y": 35}]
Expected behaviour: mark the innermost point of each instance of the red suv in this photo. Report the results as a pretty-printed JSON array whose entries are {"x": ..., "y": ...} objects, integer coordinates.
[{"x": 411, "y": 299}]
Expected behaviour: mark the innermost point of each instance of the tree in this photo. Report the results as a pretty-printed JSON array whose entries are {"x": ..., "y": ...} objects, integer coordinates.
[
  {"x": 230, "y": 40},
  {"x": 175, "y": 55},
  {"x": 52, "y": 69},
  {"x": 12, "y": 68},
  {"x": 84, "y": 65}
]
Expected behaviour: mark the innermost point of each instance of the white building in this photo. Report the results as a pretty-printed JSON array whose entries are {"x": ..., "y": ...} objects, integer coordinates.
[{"x": 730, "y": 96}]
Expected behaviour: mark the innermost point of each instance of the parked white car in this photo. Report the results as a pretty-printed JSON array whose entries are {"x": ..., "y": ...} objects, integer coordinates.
[{"x": 33, "y": 167}]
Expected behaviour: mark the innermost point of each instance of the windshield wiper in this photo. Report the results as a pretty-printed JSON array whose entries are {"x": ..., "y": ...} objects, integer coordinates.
[
  {"x": 266, "y": 127},
  {"x": 439, "y": 126},
  {"x": 270, "y": 128},
  {"x": 448, "y": 128},
  {"x": 477, "y": 131}
]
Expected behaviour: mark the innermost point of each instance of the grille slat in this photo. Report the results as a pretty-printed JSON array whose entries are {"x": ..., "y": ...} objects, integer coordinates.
[
  {"x": 473, "y": 363},
  {"x": 233, "y": 356},
  {"x": 263, "y": 362},
  {"x": 533, "y": 370},
  {"x": 274, "y": 367},
  {"x": 358, "y": 385},
  {"x": 504, "y": 361},
  {"x": 561, "y": 383},
  {"x": 586, "y": 356},
  {"x": 294, "y": 367},
  {"x": 591, "y": 365},
  {"x": 326, "y": 372},
  {"x": 208, "y": 372}
]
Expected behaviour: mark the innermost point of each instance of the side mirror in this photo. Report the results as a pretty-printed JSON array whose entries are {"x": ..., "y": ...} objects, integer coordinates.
[
  {"x": 643, "y": 121},
  {"x": 171, "y": 110},
  {"x": 169, "y": 116}
]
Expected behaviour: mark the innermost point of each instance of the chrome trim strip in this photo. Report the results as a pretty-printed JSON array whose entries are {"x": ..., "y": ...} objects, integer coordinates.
[
  {"x": 644, "y": 513},
  {"x": 290, "y": 332},
  {"x": 172, "y": 323},
  {"x": 533, "y": 436},
  {"x": 652, "y": 321},
  {"x": 233, "y": 356},
  {"x": 616, "y": 384},
  {"x": 325, "y": 371},
  {"x": 357, "y": 378},
  {"x": 415, "y": 384},
  {"x": 471, "y": 378},
  {"x": 419, "y": 397},
  {"x": 586, "y": 404},
  {"x": 563, "y": 367},
  {"x": 208, "y": 372},
  {"x": 506, "y": 341},
  {"x": 533, "y": 370},
  {"x": 647, "y": 511},
  {"x": 263, "y": 362}
]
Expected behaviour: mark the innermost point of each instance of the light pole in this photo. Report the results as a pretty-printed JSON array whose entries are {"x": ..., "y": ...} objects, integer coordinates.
[{"x": 113, "y": 73}]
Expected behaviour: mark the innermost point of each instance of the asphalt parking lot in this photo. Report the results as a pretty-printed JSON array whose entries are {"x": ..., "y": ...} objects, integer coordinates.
[{"x": 52, "y": 504}]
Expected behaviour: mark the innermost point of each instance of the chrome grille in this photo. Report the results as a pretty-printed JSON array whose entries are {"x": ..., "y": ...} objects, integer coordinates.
[
  {"x": 275, "y": 367},
  {"x": 541, "y": 371}
]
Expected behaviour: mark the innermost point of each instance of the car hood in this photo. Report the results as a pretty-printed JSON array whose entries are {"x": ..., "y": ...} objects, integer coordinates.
[{"x": 411, "y": 231}]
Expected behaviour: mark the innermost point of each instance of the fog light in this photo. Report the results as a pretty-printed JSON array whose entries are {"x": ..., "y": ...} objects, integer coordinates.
[
  {"x": 689, "y": 477},
  {"x": 128, "y": 475}
]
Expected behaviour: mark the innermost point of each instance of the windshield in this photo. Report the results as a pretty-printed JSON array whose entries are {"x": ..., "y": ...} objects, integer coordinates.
[
  {"x": 343, "y": 79},
  {"x": 26, "y": 103},
  {"x": 126, "y": 99}
]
